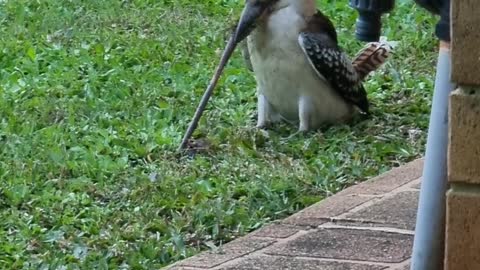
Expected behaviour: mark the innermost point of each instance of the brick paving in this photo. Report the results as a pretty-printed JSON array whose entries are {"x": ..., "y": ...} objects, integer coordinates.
[{"x": 369, "y": 226}]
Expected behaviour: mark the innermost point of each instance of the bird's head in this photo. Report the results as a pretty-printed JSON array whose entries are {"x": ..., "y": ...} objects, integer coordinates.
[
  {"x": 257, "y": 11},
  {"x": 253, "y": 12}
]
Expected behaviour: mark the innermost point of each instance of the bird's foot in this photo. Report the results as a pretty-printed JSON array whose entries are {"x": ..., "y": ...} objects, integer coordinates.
[
  {"x": 299, "y": 133},
  {"x": 263, "y": 125},
  {"x": 302, "y": 128},
  {"x": 269, "y": 122}
]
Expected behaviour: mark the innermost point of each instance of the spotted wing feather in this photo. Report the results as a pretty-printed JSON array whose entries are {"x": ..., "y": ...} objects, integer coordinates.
[{"x": 331, "y": 64}]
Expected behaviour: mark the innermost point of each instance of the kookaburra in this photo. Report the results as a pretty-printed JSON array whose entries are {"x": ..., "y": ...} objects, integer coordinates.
[{"x": 302, "y": 74}]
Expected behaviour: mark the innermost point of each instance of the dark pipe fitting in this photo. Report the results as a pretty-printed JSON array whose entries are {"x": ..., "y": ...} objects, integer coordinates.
[{"x": 369, "y": 21}]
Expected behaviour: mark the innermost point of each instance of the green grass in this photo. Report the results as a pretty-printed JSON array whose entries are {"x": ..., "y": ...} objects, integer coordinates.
[{"x": 95, "y": 96}]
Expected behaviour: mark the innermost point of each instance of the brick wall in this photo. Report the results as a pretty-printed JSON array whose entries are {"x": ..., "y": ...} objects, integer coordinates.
[{"x": 463, "y": 198}]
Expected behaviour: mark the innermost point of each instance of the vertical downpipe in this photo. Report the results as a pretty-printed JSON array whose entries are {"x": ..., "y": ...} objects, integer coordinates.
[{"x": 428, "y": 246}]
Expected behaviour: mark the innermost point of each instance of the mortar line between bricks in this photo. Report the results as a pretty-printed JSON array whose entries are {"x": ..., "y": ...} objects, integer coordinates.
[
  {"x": 363, "y": 262},
  {"x": 357, "y": 208},
  {"x": 369, "y": 196},
  {"x": 401, "y": 265},
  {"x": 352, "y": 221},
  {"x": 414, "y": 182},
  {"x": 190, "y": 268},
  {"x": 395, "y": 191},
  {"x": 404, "y": 187},
  {"x": 377, "y": 229},
  {"x": 252, "y": 256},
  {"x": 288, "y": 239},
  {"x": 374, "y": 200},
  {"x": 183, "y": 267},
  {"x": 412, "y": 190},
  {"x": 343, "y": 261}
]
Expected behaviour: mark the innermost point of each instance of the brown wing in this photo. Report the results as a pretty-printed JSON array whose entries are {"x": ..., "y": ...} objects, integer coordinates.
[{"x": 319, "y": 43}]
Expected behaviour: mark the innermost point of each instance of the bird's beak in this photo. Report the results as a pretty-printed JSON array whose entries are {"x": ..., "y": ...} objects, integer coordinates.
[
  {"x": 250, "y": 15},
  {"x": 253, "y": 11}
]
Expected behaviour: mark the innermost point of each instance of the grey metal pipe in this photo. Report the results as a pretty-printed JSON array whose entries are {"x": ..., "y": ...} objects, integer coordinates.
[{"x": 428, "y": 246}]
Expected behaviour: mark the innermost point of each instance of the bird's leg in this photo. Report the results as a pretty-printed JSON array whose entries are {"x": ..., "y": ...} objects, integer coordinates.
[
  {"x": 305, "y": 113},
  {"x": 305, "y": 109},
  {"x": 266, "y": 114},
  {"x": 262, "y": 107}
]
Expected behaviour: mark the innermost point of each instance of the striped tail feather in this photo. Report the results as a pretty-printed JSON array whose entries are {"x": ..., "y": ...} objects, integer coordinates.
[{"x": 371, "y": 57}]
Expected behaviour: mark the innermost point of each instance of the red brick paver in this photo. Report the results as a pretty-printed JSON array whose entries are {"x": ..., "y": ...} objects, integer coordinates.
[{"x": 369, "y": 226}]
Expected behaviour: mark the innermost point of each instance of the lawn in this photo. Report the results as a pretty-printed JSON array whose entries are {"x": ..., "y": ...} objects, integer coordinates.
[{"x": 95, "y": 97}]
